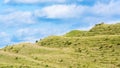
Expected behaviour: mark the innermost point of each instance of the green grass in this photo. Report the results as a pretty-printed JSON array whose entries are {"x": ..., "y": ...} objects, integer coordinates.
[
  {"x": 98, "y": 29},
  {"x": 106, "y": 29},
  {"x": 75, "y": 33},
  {"x": 77, "y": 49}
]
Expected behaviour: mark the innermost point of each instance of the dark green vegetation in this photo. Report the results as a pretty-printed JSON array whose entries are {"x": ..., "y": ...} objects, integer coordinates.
[{"x": 96, "y": 48}]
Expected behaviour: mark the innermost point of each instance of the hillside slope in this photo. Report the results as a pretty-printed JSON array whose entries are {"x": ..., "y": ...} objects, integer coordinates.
[
  {"x": 106, "y": 29},
  {"x": 78, "y": 49},
  {"x": 98, "y": 29}
]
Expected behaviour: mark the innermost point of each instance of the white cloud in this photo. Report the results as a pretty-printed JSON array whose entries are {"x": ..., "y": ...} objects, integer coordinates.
[
  {"x": 34, "y": 1},
  {"x": 113, "y": 22},
  {"x": 26, "y": 35},
  {"x": 5, "y": 39},
  {"x": 26, "y": 32},
  {"x": 6, "y": 1},
  {"x": 3, "y": 34},
  {"x": 102, "y": 12},
  {"x": 60, "y": 11},
  {"x": 44, "y": 30},
  {"x": 17, "y": 17},
  {"x": 30, "y": 34},
  {"x": 107, "y": 9}
]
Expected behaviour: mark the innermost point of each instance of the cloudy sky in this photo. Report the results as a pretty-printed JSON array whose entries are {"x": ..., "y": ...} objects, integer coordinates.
[{"x": 30, "y": 20}]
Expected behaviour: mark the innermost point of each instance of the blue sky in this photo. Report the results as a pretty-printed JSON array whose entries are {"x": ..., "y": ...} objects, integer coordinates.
[{"x": 30, "y": 20}]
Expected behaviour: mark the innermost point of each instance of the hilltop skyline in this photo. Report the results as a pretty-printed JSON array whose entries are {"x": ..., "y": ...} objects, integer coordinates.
[{"x": 30, "y": 20}]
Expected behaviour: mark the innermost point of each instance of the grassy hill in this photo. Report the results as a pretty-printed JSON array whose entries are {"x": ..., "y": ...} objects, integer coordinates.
[
  {"x": 98, "y": 29},
  {"x": 106, "y": 29},
  {"x": 97, "y": 48}
]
